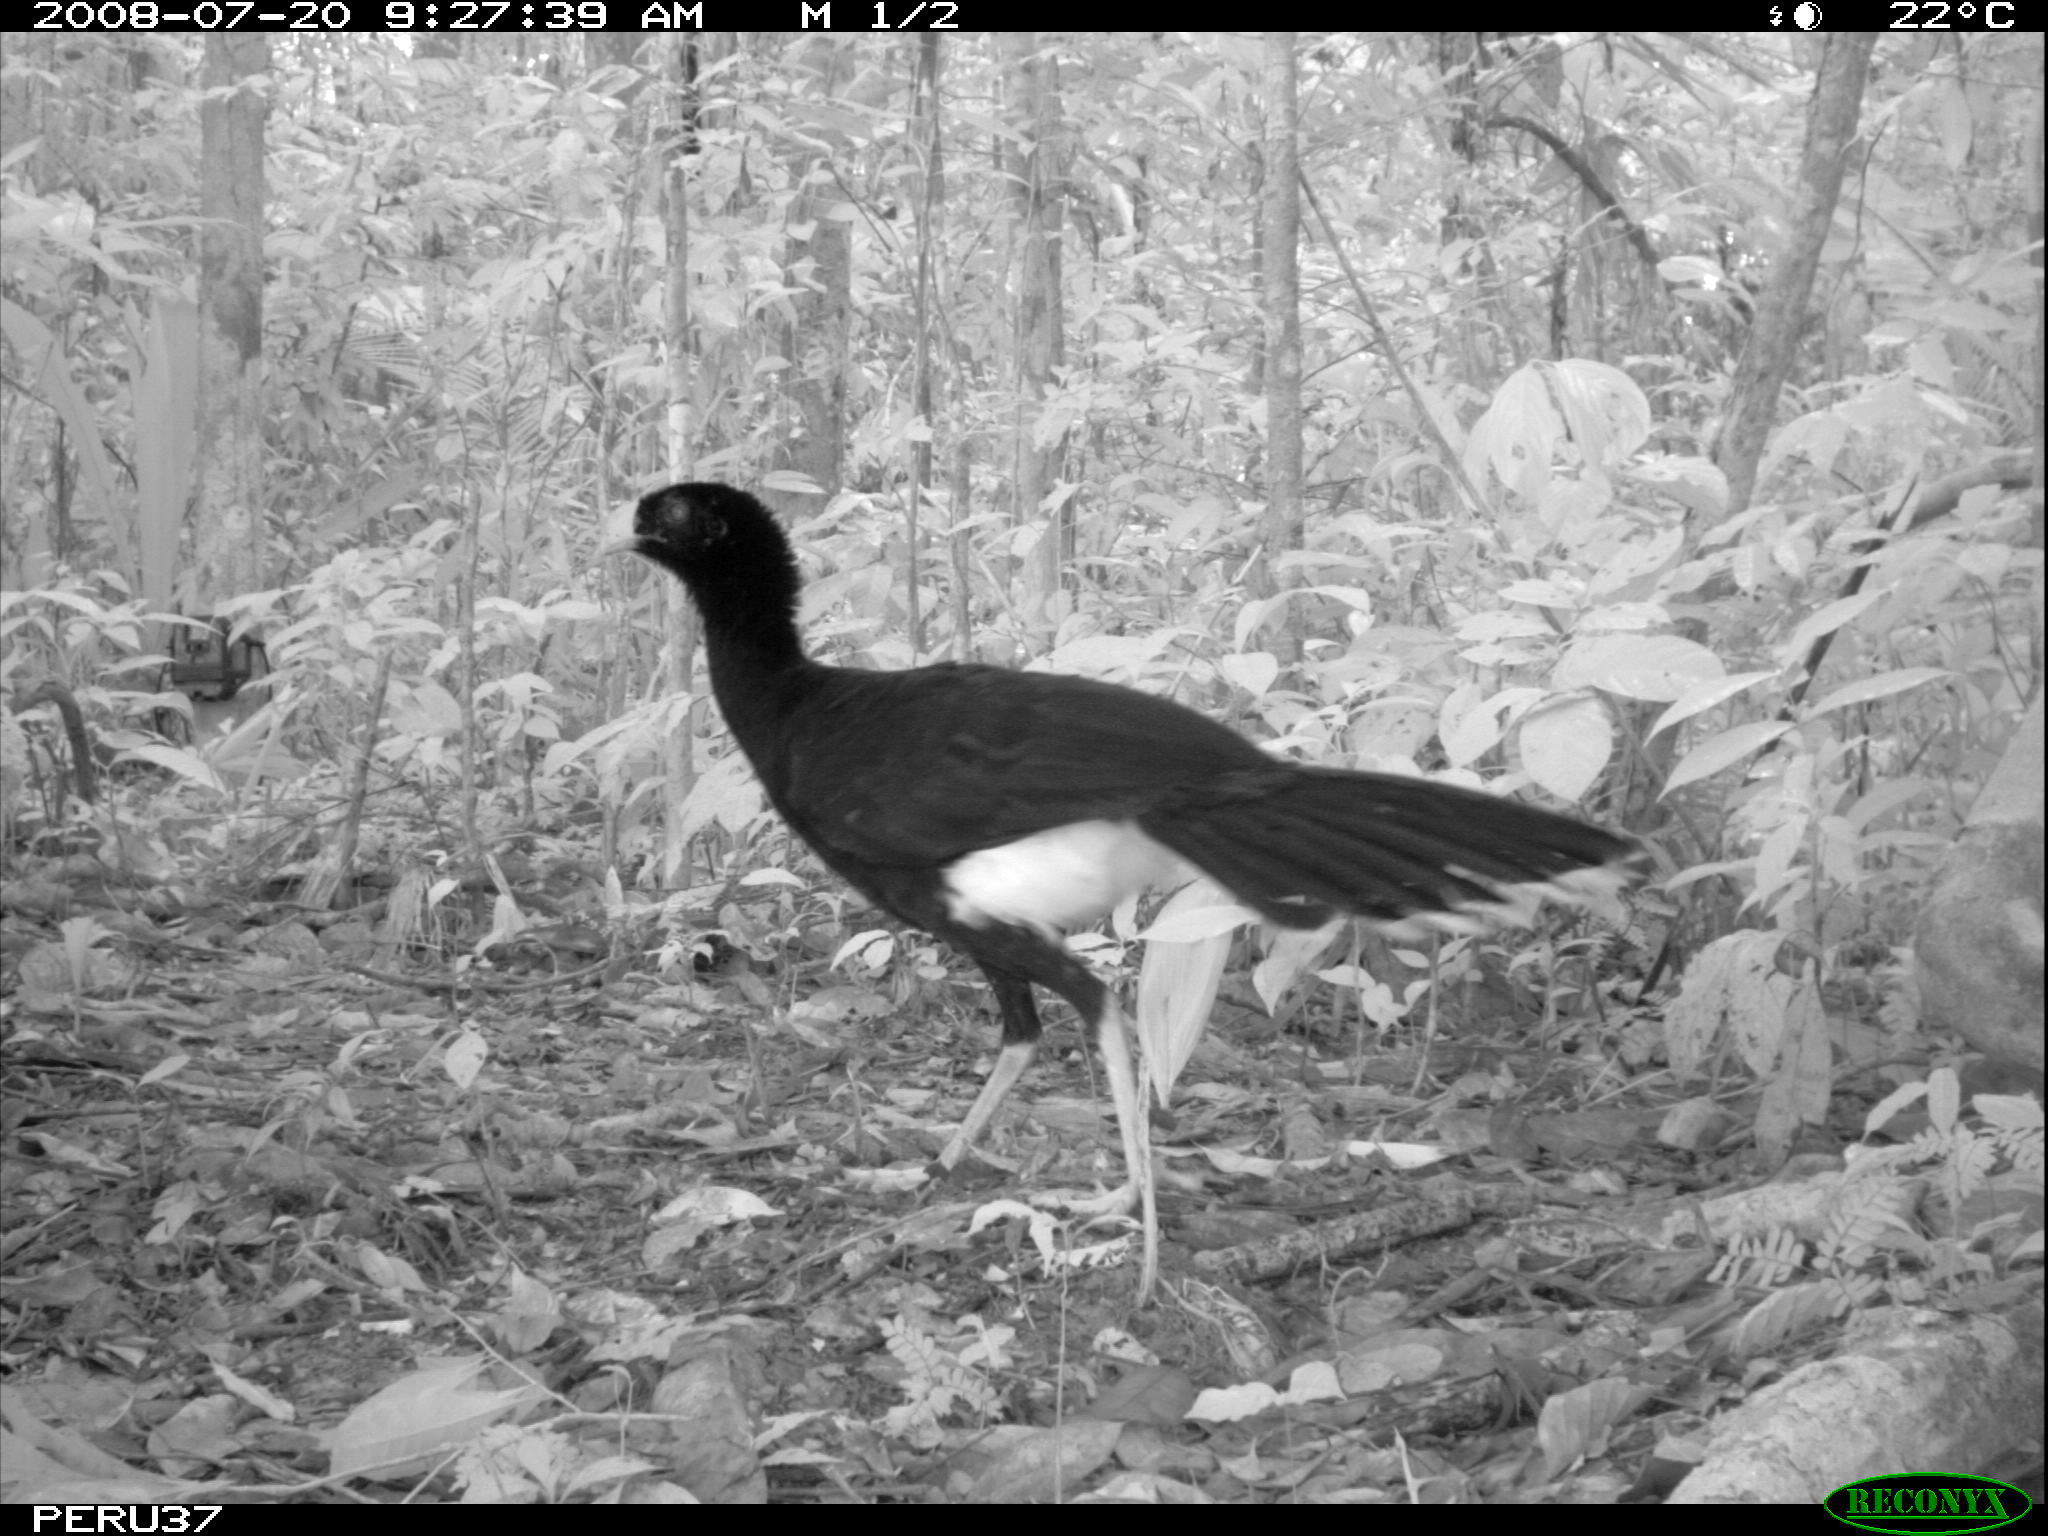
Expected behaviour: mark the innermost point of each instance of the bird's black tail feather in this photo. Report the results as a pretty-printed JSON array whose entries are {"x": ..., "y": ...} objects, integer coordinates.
[{"x": 1388, "y": 848}]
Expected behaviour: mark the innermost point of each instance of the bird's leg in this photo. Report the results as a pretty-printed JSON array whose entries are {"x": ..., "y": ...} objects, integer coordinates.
[
  {"x": 1010, "y": 1064},
  {"x": 1113, "y": 1036}
]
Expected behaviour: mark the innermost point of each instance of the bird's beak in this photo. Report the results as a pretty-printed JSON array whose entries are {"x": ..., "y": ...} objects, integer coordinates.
[{"x": 629, "y": 545}]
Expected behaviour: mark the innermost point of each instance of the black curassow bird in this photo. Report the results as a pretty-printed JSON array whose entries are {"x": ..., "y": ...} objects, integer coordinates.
[{"x": 999, "y": 809}]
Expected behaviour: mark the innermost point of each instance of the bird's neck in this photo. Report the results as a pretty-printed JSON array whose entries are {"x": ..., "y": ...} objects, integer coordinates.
[
  {"x": 756, "y": 673},
  {"x": 747, "y": 625}
]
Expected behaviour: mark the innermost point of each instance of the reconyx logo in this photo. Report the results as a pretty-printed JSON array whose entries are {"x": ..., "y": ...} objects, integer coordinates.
[{"x": 1949, "y": 1503}]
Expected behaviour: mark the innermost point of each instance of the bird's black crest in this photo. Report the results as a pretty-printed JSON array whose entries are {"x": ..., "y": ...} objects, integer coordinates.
[
  {"x": 702, "y": 520},
  {"x": 726, "y": 548}
]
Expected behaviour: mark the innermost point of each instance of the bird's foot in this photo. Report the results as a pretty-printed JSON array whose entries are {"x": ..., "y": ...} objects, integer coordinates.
[{"x": 1100, "y": 1207}]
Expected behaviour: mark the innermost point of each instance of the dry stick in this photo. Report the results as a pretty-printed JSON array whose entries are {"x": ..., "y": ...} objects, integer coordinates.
[
  {"x": 1453, "y": 461},
  {"x": 84, "y": 766},
  {"x": 325, "y": 880}
]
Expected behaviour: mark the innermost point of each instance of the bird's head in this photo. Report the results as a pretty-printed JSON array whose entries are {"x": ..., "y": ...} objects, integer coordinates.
[
  {"x": 700, "y": 523},
  {"x": 721, "y": 543}
]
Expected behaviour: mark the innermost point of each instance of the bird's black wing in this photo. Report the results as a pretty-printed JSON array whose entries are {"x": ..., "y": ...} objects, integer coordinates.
[{"x": 917, "y": 768}]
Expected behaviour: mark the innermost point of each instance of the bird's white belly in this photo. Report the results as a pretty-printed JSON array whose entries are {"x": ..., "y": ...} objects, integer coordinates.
[{"x": 1057, "y": 879}]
